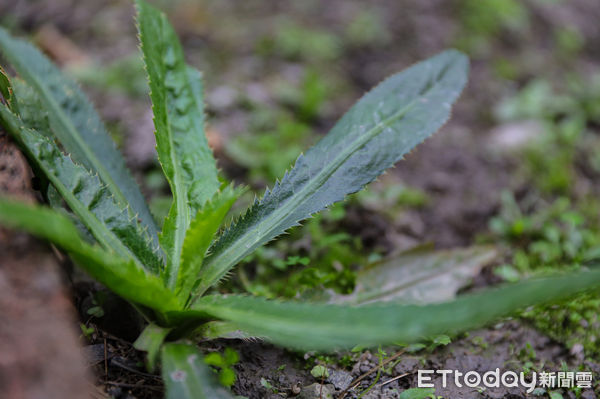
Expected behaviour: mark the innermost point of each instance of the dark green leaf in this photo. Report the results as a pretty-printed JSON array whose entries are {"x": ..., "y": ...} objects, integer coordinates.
[
  {"x": 186, "y": 159},
  {"x": 122, "y": 276},
  {"x": 5, "y": 88},
  {"x": 373, "y": 135},
  {"x": 77, "y": 125},
  {"x": 87, "y": 197}
]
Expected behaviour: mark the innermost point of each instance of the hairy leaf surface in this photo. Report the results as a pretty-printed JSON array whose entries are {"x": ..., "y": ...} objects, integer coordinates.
[
  {"x": 186, "y": 376},
  {"x": 122, "y": 276},
  {"x": 77, "y": 125},
  {"x": 186, "y": 159},
  {"x": 84, "y": 193},
  {"x": 321, "y": 326},
  {"x": 373, "y": 135},
  {"x": 198, "y": 238}
]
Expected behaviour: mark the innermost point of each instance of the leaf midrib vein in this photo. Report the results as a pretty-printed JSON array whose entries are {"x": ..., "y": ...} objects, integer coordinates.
[{"x": 307, "y": 190}]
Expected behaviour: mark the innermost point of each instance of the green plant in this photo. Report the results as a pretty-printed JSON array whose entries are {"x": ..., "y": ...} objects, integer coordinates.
[
  {"x": 419, "y": 393},
  {"x": 98, "y": 215},
  {"x": 225, "y": 363}
]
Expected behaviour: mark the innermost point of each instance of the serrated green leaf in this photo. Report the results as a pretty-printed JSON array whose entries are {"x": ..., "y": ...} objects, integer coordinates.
[
  {"x": 77, "y": 125},
  {"x": 374, "y": 134},
  {"x": 5, "y": 88},
  {"x": 26, "y": 103},
  {"x": 321, "y": 326},
  {"x": 87, "y": 197},
  {"x": 150, "y": 340},
  {"x": 198, "y": 237},
  {"x": 186, "y": 376},
  {"x": 122, "y": 276},
  {"x": 186, "y": 159}
]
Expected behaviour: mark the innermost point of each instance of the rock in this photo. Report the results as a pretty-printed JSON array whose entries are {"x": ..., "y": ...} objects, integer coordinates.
[
  {"x": 588, "y": 394},
  {"x": 340, "y": 379},
  {"x": 317, "y": 391},
  {"x": 406, "y": 364}
]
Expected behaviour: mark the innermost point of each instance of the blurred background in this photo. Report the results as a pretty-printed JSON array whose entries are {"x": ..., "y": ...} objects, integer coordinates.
[{"x": 518, "y": 165}]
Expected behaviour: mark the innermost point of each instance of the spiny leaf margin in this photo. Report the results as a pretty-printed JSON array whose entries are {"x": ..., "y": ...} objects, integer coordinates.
[
  {"x": 372, "y": 136},
  {"x": 77, "y": 125},
  {"x": 85, "y": 194},
  {"x": 122, "y": 276},
  {"x": 177, "y": 105}
]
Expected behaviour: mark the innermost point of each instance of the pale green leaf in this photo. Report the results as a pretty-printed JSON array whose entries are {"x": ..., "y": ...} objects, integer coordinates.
[
  {"x": 221, "y": 329},
  {"x": 77, "y": 125},
  {"x": 151, "y": 340},
  {"x": 122, "y": 276},
  {"x": 420, "y": 275},
  {"x": 198, "y": 238},
  {"x": 325, "y": 326},
  {"x": 186, "y": 159},
  {"x": 109, "y": 222},
  {"x": 418, "y": 393},
  {"x": 372, "y": 136},
  {"x": 186, "y": 376}
]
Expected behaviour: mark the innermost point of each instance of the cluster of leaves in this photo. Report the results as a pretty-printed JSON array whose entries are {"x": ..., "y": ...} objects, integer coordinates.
[{"x": 97, "y": 214}]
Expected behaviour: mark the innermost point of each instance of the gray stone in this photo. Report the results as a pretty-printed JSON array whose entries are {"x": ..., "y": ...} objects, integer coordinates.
[
  {"x": 317, "y": 391},
  {"x": 340, "y": 379}
]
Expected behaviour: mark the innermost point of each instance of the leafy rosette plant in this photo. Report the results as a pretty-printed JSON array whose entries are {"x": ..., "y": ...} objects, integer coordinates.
[{"x": 98, "y": 216}]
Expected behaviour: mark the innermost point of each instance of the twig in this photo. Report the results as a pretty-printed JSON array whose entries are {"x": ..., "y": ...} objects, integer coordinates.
[
  {"x": 105, "y": 362},
  {"x": 117, "y": 363},
  {"x": 395, "y": 378},
  {"x": 365, "y": 375},
  {"x": 363, "y": 393}
]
